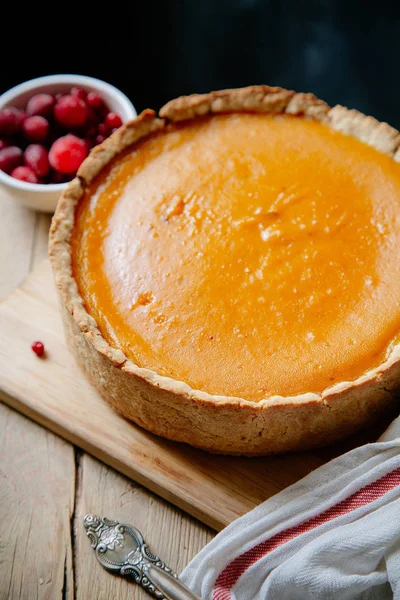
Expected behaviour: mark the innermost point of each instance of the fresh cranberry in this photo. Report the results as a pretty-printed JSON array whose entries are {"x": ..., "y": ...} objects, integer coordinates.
[
  {"x": 113, "y": 120},
  {"x": 9, "y": 121},
  {"x": 100, "y": 138},
  {"x": 24, "y": 174},
  {"x": 36, "y": 128},
  {"x": 3, "y": 144},
  {"x": 67, "y": 153},
  {"x": 40, "y": 104},
  {"x": 78, "y": 93},
  {"x": 36, "y": 157},
  {"x": 38, "y": 348},
  {"x": 20, "y": 115},
  {"x": 94, "y": 100},
  {"x": 71, "y": 111},
  {"x": 10, "y": 158},
  {"x": 102, "y": 129}
]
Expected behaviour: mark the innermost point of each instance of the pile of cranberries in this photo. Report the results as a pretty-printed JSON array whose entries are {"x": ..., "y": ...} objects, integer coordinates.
[{"x": 47, "y": 142}]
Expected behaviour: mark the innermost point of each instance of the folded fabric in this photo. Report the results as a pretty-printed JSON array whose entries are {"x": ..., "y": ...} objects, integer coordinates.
[{"x": 333, "y": 535}]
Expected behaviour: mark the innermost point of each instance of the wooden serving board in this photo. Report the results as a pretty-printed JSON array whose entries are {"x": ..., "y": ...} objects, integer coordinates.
[{"x": 54, "y": 392}]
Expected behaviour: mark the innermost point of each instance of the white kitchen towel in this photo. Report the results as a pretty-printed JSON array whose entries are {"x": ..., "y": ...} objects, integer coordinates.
[{"x": 334, "y": 535}]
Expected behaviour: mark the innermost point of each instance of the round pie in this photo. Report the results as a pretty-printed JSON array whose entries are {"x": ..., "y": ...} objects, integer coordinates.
[{"x": 229, "y": 271}]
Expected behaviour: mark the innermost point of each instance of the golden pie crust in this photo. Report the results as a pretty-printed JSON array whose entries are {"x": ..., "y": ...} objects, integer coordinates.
[{"x": 171, "y": 408}]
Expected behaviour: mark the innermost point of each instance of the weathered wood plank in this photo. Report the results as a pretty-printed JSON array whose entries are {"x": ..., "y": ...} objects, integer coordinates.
[
  {"x": 170, "y": 533},
  {"x": 36, "y": 504},
  {"x": 37, "y": 469}
]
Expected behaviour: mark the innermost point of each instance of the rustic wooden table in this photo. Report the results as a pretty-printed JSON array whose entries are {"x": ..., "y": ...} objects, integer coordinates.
[{"x": 47, "y": 485}]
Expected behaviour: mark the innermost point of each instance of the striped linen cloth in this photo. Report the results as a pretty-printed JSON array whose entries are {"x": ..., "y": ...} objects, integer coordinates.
[{"x": 333, "y": 535}]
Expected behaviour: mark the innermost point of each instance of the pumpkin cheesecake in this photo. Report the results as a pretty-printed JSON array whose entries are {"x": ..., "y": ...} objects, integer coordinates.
[{"x": 229, "y": 271}]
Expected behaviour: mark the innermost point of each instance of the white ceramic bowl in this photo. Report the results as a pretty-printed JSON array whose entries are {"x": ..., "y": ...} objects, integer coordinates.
[{"x": 44, "y": 196}]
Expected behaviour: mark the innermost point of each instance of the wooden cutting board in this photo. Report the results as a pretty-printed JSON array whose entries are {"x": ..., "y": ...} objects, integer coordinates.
[{"x": 54, "y": 392}]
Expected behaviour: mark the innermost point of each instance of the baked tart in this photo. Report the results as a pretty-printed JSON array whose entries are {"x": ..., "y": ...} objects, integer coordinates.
[{"x": 229, "y": 270}]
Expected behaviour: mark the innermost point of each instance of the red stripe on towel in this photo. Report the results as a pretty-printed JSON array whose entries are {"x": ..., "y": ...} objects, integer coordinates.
[{"x": 230, "y": 575}]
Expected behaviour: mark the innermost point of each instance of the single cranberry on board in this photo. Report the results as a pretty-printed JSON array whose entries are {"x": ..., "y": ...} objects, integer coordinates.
[
  {"x": 71, "y": 111},
  {"x": 24, "y": 173},
  {"x": 38, "y": 348},
  {"x": 41, "y": 105},
  {"x": 10, "y": 157},
  {"x": 67, "y": 153}
]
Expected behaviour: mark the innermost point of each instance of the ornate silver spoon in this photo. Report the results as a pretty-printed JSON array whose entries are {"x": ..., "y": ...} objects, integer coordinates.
[{"x": 120, "y": 548}]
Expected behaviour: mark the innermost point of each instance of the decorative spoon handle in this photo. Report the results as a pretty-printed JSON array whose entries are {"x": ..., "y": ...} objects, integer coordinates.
[{"x": 120, "y": 548}]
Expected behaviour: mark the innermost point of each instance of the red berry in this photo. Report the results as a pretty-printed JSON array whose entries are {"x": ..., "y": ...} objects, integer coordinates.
[
  {"x": 67, "y": 153},
  {"x": 3, "y": 144},
  {"x": 9, "y": 121},
  {"x": 36, "y": 128},
  {"x": 94, "y": 100},
  {"x": 40, "y": 104},
  {"x": 113, "y": 120},
  {"x": 38, "y": 348},
  {"x": 36, "y": 157},
  {"x": 100, "y": 138},
  {"x": 24, "y": 174},
  {"x": 10, "y": 158},
  {"x": 78, "y": 92},
  {"x": 102, "y": 129},
  {"x": 20, "y": 115},
  {"x": 71, "y": 111}
]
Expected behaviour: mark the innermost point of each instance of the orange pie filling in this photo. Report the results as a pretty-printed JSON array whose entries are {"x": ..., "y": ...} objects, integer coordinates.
[{"x": 246, "y": 255}]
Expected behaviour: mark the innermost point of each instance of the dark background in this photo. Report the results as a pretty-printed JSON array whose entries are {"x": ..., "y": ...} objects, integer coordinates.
[{"x": 345, "y": 52}]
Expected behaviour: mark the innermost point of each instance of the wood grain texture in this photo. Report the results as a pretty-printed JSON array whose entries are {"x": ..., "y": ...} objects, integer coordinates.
[
  {"x": 174, "y": 536},
  {"x": 28, "y": 488},
  {"x": 37, "y": 470},
  {"x": 215, "y": 489},
  {"x": 36, "y": 505}
]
